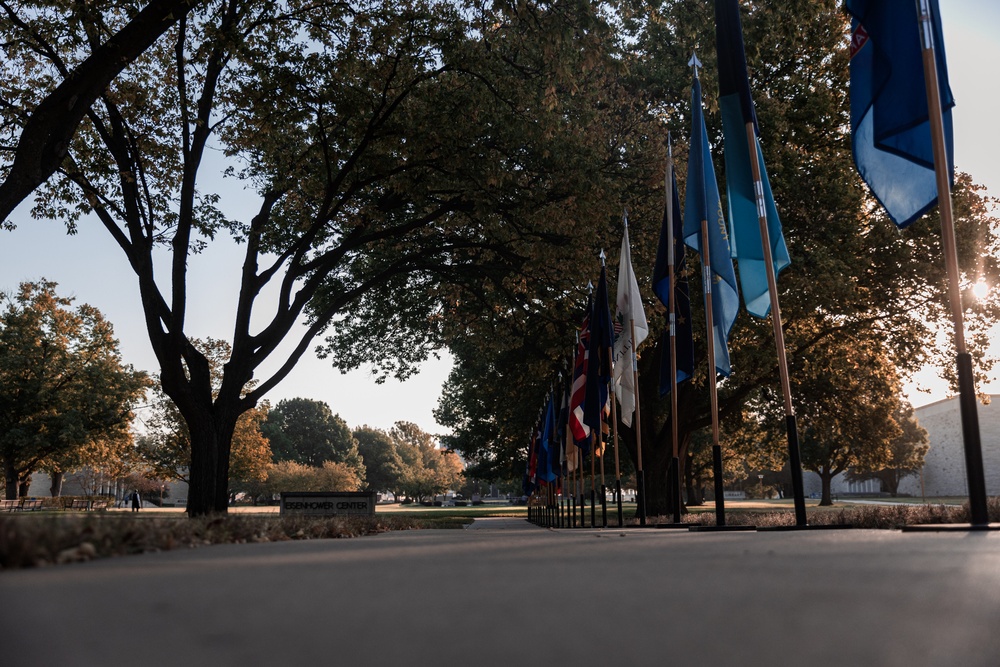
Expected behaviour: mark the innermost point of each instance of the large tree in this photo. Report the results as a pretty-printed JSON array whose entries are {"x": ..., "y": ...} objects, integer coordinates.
[
  {"x": 406, "y": 157},
  {"x": 906, "y": 453},
  {"x": 383, "y": 465},
  {"x": 307, "y": 432},
  {"x": 855, "y": 281},
  {"x": 166, "y": 441},
  {"x": 62, "y": 381},
  {"x": 427, "y": 469}
]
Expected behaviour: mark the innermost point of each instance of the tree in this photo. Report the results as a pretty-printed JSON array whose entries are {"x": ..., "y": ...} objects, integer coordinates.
[
  {"x": 383, "y": 465},
  {"x": 62, "y": 381},
  {"x": 407, "y": 158},
  {"x": 49, "y": 129},
  {"x": 906, "y": 453},
  {"x": 294, "y": 476},
  {"x": 427, "y": 470},
  {"x": 307, "y": 432},
  {"x": 166, "y": 444},
  {"x": 855, "y": 281},
  {"x": 847, "y": 403}
]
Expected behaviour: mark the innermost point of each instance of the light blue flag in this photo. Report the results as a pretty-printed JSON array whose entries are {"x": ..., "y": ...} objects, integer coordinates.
[
  {"x": 736, "y": 106},
  {"x": 702, "y": 202}
]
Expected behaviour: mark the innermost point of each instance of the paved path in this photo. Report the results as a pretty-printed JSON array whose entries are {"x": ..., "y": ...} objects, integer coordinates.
[{"x": 506, "y": 593}]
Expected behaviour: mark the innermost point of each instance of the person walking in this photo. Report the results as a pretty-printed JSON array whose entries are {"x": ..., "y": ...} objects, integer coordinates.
[{"x": 136, "y": 502}]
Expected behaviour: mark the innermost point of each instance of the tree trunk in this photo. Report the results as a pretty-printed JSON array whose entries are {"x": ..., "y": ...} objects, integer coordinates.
[
  {"x": 208, "y": 482},
  {"x": 55, "y": 488},
  {"x": 691, "y": 488},
  {"x": 826, "y": 476},
  {"x": 10, "y": 482}
]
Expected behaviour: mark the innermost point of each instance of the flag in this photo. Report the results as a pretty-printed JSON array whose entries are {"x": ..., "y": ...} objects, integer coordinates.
[
  {"x": 602, "y": 338},
  {"x": 629, "y": 315},
  {"x": 683, "y": 339},
  {"x": 531, "y": 469},
  {"x": 579, "y": 429},
  {"x": 550, "y": 445},
  {"x": 737, "y": 110},
  {"x": 702, "y": 203},
  {"x": 564, "y": 437},
  {"x": 891, "y": 135}
]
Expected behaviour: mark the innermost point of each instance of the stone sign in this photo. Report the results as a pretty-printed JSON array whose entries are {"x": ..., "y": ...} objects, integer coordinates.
[{"x": 327, "y": 503}]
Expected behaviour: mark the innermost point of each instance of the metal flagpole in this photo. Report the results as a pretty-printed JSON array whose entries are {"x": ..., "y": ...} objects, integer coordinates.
[
  {"x": 640, "y": 480},
  {"x": 618, "y": 473},
  {"x": 600, "y": 438},
  {"x": 713, "y": 392},
  {"x": 593, "y": 492},
  {"x": 672, "y": 307},
  {"x": 794, "y": 456},
  {"x": 640, "y": 477},
  {"x": 706, "y": 279},
  {"x": 968, "y": 404},
  {"x": 614, "y": 428}
]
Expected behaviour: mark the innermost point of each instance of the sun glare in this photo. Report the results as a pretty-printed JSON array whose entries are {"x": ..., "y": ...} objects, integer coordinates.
[{"x": 981, "y": 290}]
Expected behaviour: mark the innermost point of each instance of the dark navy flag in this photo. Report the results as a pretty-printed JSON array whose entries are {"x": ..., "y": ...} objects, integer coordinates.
[
  {"x": 683, "y": 339},
  {"x": 550, "y": 444},
  {"x": 889, "y": 119},
  {"x": 736, "y": 106},
  {"x": 602, "y": 338},
  {"x": 702, "y": 203}
]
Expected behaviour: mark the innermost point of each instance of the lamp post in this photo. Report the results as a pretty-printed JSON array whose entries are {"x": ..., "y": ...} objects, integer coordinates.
[{"x": 760, "y": 482}]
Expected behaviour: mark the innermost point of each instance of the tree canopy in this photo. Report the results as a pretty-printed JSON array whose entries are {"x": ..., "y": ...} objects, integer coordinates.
[
  {"x": 407, "y": 158},
  {"x": 857, "y": 287},
  {"x": 307, "y": 432},
  {"x": 63, "y": 384}
]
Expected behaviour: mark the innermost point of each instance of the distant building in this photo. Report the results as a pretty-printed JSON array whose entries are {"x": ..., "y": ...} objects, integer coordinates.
[{"x": 944, "y": 466}]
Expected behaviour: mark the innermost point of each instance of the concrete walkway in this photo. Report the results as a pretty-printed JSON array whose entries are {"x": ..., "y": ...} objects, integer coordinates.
[{"x": 507, "y": 593}]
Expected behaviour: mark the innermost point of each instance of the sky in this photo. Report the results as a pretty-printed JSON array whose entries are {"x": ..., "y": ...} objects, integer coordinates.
[{"x": 90, "y": 268}]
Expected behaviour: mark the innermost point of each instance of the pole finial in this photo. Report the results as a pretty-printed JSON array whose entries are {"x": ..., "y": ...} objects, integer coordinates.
[
  {"x": 602, "y": 256},
  {"x": 694, "y": 62},
  {"x": 590, "y": 287}
]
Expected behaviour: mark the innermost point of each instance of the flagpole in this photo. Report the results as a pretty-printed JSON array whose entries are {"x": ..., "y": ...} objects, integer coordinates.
[
  {"x": 713, "y": 392},
  {"x": 968, "y": 403},
  {"x": 672, "y": 307},
  {"x": 706, "y": 280},
  {"x": 640, "y": 476},
  {"x": 618, "y": 473},
  {"x": 640, "y": 479},
  {"x": 604, "y": 488},
  {"x": 794, "y": 455},
  {"x": 614, "y": 431}
]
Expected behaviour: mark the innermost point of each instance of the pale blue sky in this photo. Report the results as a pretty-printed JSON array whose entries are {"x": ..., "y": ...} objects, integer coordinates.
[{"x": 92, "y": 269}]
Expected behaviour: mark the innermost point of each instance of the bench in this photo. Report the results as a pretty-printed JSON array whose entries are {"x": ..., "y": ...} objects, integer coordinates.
[
  {"x": 10, "y": 505},
  {"x": 31, "y": 505},
  {"x": 77, "y": 504}
]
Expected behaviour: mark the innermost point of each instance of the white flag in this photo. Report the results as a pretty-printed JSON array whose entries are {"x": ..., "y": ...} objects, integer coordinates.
[{"x": 629, "y": 316}]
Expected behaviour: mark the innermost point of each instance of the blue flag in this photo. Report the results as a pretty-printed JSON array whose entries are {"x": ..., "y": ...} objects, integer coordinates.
[
  {"x": 736, "y": 106},
  {"x": 602, "y": 338},
  {"x": 683, "y": 339},
  {"x": 550, "y": 444},
  {"x": 703, "y": 203},
  {"x": 891, "y": 134}
]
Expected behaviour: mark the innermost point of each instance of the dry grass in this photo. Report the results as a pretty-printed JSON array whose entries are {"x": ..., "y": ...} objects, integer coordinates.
[
  {"x": 864, "y": 516},
  {"x": 31, "y": 541}
]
